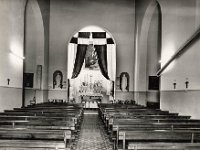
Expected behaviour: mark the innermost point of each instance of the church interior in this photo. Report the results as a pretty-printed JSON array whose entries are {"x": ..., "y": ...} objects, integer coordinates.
[{"x": 99, "y": 74}]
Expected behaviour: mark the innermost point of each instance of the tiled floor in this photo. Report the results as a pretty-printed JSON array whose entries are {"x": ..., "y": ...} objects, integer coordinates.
[{"x": 92, "y": 135}]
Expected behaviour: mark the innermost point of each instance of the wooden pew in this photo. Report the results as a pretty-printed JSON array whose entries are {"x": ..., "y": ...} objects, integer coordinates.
[
  {"x": 134, "y": 127},
  {"x": 152, "y": 127},
  {"x": 146, "y": 118},
  {"x": 50, "y": 104},
  {"x": 43, "y": 123},
  {"x": 37, "y": 129},
  {"x": 184, "y": 136},
  {"x": 30, "y": 134},
  {"x": 163, "y": 146},
  {"x": 109, "y": 118},
  {"x": 147, "y": 125},
  {"x": 32, "y": 145},
  {"x": 45, "y": 116},
  {"x": 111, "y": 112}
]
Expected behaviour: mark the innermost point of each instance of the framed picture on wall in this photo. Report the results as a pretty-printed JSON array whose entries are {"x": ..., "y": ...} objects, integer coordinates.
[
  {"x": 28, "y": 80},
  {"x": 154, "y": 83}
]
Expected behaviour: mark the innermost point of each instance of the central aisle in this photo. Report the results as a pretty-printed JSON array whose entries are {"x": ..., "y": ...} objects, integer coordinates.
[{"x": 92, "y": 135}]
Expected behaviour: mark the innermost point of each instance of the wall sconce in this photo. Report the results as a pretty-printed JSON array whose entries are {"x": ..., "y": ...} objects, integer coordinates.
[
  {"x": 186, "y": 83},
  {"x": 174, "y": 84},
  {"x": 16, "y": 55}
]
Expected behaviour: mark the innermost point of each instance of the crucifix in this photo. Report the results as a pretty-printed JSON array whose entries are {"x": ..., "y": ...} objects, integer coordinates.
[
  {"x": 8, "y": 81},
  {"x": 174, "y": 84},
  {"x": 186, "y": 84}
]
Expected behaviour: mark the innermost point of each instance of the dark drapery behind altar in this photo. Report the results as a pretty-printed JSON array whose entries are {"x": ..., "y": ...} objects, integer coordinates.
[
  {"x": 84, "y": 34},
  {"x": 68, "y": 88},
  {"x": 80, "y": 56},
  {"x": 102, "y": 59}
]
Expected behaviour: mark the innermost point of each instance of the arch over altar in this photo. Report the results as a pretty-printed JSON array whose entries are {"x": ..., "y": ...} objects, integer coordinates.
[{"x": 91, "y": 65}]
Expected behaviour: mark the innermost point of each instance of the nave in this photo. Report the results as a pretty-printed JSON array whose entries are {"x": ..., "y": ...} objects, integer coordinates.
[{"x": 57, "y": 54}]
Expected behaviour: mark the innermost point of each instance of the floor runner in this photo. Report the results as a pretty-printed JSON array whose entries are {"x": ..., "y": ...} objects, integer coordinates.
[{"x": 92, "y": 135}]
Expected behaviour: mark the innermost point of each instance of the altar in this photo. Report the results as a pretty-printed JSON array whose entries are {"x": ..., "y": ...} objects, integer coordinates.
[
  {"x": 91, "y": 100},
  {"x": 89, "y": 88}
]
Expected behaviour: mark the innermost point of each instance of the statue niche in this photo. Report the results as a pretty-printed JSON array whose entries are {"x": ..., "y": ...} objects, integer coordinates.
[
  {"x": 124, "y": 81},
  {"x": 57, "y": 79}
]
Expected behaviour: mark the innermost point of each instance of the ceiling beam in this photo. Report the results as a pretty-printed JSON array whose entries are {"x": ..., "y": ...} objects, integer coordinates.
[{"x": 181, "y": 50}]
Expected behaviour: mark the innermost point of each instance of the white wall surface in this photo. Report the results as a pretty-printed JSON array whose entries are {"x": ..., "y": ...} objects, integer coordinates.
[
  {"x": 67, "y": 18},
  {"x": 11, "y": 40}
]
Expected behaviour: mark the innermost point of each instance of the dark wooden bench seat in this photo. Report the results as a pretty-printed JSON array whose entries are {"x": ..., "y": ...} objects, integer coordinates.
[
  {"x": 56, "y": 114},
  {"x": 51, "y": 124},
  {"x": 32, "y": 145},
  {"x": 184, "y": 136},
  {"x": 121, "y": 106},
  {"x": 74, "y": 119},
  {"x": 151, "y": 117},
  {"x": 145, "y": 110},
  {"x": 35, "y": 127},
  {"x": 30, "y": 134},
  {"x": 145, "y": 116},
  {"x": 192, "y": 127},
  {"x": 44, "y": 111},
  {"x": 33, "y": 132},
  {"x": 163, "y": 146},
  {"x": 50, "y": 104},
  {"x": 63, "y": 136},
  {"x": 139, "y": 113},
  {"x": 158, "y": 126},
  {"x": 137, "y": 127},
  {"x": 55, "y": 104},
  {"x": 151, "y": 120},
  {"x": 31, "y": 148},
  {"x": 47, "y": 114},
  {"x": 42, "y": 117},
  {"x": 109, "y": 117},
  {"x": 103, "y": 106},
  {"x": 139, "y": 122},
  {"x": 13, "y": 123},
  {"x": 50, "y": 108}
]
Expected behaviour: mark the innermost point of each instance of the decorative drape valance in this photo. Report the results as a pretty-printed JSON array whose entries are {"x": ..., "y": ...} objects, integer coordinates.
[
  {"x": 80, "y": 56},
  {"x": 105, "y": 53},
  {"x": 102, "y": 59}
]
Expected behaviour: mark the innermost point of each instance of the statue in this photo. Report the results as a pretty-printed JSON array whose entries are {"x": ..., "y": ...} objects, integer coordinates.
[
  {"x": 57, "y": 79},
  {"x": 124, "y": 81}
]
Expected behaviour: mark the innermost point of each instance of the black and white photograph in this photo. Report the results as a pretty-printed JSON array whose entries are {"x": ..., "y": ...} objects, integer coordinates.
[{"x": 99, "y": 75}]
